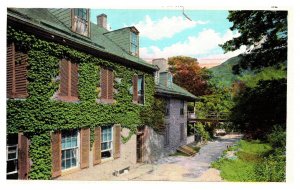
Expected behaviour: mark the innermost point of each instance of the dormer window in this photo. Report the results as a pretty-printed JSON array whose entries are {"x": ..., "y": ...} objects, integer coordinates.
[
  {"x": 134, "y": 48},
  {"x": 80, "y": 21}
]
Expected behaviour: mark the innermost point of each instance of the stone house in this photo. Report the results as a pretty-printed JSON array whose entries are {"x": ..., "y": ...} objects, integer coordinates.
[
  {"x": 75, "y": 91},
  {"x": 156, "y": 145}
]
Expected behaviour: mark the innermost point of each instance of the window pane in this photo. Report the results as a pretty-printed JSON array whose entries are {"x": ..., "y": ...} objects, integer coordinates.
[
  {"x": 63, "y": 163},
  {"x": 68, "y": 154},
  {"x": 74, "y": 142},
  {"x": 11, "y": 166},
  {"x": 68, "y": 163},
  {"x": 73, "y": 162},
  {"x": 63, "y": 155},
  {"x": 106, "y": 154}
]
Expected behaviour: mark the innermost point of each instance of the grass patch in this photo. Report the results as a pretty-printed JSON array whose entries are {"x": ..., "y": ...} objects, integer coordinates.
[{"x": 249, "y": 155}]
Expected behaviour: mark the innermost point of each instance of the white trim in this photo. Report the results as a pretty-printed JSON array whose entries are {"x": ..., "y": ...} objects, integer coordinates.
[
  {"x": 77, "y": 153},
  {"x": 112, "y": 143}
]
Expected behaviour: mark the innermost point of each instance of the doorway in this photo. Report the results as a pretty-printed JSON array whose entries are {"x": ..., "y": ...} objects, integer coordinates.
[{"x": 140, "y": 145}]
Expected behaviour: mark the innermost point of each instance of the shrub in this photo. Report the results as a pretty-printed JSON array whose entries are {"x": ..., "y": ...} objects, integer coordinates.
[
  {"x": 271, "y": 169},
  {"x": 278, "y": 137},
  {"x": 200, "y": 128}
]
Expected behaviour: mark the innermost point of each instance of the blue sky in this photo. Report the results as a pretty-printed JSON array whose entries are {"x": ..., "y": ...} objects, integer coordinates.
[{"x": 166, "y": 33}]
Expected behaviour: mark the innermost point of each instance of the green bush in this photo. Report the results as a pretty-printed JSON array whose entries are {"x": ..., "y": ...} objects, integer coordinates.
[
  {"x": 271, "y": 169},
  {"x": 278, "y": 137},
  {"x": 200, "y": 128}
]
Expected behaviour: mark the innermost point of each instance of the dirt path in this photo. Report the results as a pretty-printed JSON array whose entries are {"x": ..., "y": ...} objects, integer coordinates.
[{"x": 181, "y": 168}]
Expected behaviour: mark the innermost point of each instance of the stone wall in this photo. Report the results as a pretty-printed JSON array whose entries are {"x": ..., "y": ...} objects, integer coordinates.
[
  {"x": 155, "y": 143},
  {"x": 105, "y": 169}
]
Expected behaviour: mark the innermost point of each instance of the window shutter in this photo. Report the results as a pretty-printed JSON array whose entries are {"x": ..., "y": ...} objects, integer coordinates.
[
  {"x": 64, "y": 76},
  {"x": 21, "y": 74},
  {"x": 74, "y": 80},
  {"x": 10, "y": 59},
  {"x": 104, "y": 83},
  {"x": 117, "y": 141},
  {"x": 84, "y": 147},
  {"x": 110, "y": 85},
  {"x": 97, "y": 146},
  {"x": 23, "y": 159},
  {"x": 135, "y": 88},
  {"x": 56, "y": 153}
]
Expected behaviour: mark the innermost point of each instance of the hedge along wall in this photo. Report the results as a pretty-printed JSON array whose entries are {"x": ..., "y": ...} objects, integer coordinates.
[{"x": 40, "y": 114}]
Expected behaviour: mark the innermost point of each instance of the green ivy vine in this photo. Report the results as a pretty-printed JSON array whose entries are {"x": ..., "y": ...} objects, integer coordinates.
[{"x": 40, "y": 114}]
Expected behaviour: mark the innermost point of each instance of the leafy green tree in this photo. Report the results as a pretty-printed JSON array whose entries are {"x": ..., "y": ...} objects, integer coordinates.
[
  {"x": 264, "y": 33},
  {"x": 258, "y": 109}
]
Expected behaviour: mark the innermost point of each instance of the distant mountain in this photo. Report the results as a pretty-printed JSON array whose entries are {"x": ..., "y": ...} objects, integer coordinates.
[{"x": 223, "y": 72}]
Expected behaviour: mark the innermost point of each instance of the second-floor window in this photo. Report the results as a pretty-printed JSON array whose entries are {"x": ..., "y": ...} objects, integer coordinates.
[
  {"x": 68, "y": 89},
  {"x": 16, "y": 72},
  {"x": 107, "y": 85},
  {"x": 181, "y": 107},
  {"x": 167, "y": 113},
  {"x": 134, "y": 43},
  {"x": 138, "y": 89},
  {"x": 80, "y": 21}
]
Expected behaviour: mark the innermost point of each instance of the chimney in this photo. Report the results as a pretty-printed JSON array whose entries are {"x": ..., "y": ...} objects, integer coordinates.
[
  {"x": 102, "y": 21},
  {"x": 161, "y": 63}
]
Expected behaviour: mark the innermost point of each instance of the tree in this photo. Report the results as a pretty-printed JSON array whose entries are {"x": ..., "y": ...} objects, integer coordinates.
[
  {"x": 264, "y": 33},
  {"x": 188, "y": 74},
  {"x": 258, "y": 109},
  {"x": 260, "y": 95}
]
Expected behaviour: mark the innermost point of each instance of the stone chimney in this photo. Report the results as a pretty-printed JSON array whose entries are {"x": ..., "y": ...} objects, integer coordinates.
[
  {"x": 161, "y": 63},
  {"x": 102, "y": 21}
]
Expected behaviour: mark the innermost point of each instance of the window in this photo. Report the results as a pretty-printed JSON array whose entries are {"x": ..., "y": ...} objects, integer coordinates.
[
  {"x": 16, "y": 73},
  {"x": 182, "y": 131},
  {"x": 167, "y": 134},
  {"x": 170, "y": 80},
  {"x": 107, "y": 82},
  {"x": 12, "y": 157},
  {"x": 106, "y": 142},
  {"x": 69, "y": 149},
  {"x": 134, "y": 44},
  {"x": 181, "y": 107},
  {"x": 80, "y": 22},
  {"x": 68, "y": 90},
  {"x": 141, "y": 89},
  {"x": 167, "y": 107}
]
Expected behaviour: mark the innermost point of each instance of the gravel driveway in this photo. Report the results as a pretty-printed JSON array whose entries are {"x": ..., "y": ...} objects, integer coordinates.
[{"x": 181, "y": 168}]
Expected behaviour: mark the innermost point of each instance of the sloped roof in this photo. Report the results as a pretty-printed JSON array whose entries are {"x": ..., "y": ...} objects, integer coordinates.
[
  {"x": 44, "y": 19},
  {"x": 173, "y": 91}
]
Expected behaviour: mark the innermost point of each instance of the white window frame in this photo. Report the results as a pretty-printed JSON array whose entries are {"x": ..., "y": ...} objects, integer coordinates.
[
  {"x": 112, "y": 142},
  {"x": 12, "y": 159},
  {"x": 77, "y": 153}
]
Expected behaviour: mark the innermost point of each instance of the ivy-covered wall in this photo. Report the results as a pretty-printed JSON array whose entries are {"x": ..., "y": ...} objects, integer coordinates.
[{"x": 39, "y": 114}]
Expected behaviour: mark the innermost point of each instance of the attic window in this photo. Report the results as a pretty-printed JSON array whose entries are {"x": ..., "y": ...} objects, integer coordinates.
[
  {"x": 134, "y": 44},
  {"x": 80, "y": 21}
]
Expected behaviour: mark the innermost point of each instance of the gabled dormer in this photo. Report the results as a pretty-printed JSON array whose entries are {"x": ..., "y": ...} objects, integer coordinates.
[
  {"x": 77, "y": 19},
  {"x": 81, "y": 21},
  {"x": 127, "y": 38}
]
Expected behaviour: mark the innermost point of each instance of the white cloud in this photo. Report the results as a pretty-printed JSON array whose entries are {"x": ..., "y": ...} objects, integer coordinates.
[
  {"x": 206, "y": 42},
  {"x": 165, "y": 27}
]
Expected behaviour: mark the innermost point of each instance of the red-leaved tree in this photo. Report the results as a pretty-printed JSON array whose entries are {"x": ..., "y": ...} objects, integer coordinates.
[{"x": 188, "y": 74}]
